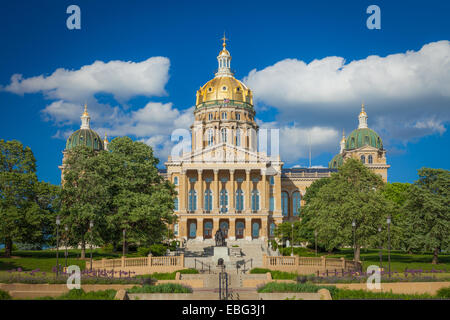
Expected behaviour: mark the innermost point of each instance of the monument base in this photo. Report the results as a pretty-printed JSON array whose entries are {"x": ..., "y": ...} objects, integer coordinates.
[{"x": 220, "y": 252}]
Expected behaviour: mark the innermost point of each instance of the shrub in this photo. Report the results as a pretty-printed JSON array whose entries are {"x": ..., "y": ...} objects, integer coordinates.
[
  {"x": 259, "y": 270},
  {"x": 443, "y": 293},
  {"x": 158, "y": 249},
  {"x": 80, "y": 294},
  {"x": 161, "y": 288},
  {"x": 189, "y": 271},
  {"x": 4, "y": 295},
  {"x": 109, "y": 248},
  {"x": 342, "y": 294},
  {"x": 143, "y": 251},
  {"x": 294, "y": 287}
]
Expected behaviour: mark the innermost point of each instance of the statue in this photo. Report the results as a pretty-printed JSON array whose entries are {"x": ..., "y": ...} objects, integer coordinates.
[{"x": 220, "y": 238}]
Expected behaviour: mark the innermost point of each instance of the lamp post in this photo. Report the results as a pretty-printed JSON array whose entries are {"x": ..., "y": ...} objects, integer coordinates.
[
  {"x": 354, "y": 239},
  {"x": 389, "y": 243},
  {"x": 91, "y": 225},
  {"x": 66, "y": 228},
  {"x": 315, "y": 241},
  {"x": 292, "y": 239},
  {"x": 58, "y": 222},
  {"x": 123, "y": 247},
  {"x": 381, "y": 248}
]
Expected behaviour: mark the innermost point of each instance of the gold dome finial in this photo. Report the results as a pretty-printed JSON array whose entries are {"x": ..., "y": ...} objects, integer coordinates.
[
  {"x": 106, "y": 137},
  {"x": 224, "y": 44},
  {"x": 85, "y": 113}
]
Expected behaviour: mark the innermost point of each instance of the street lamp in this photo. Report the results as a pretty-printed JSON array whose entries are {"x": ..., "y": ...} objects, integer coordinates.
[
  {"x": 381, "y": 248},
  {"x": 354, "y": 239},
  {"x": 315, "y": 240},
  {"x": 66, "y": 228},
  {"x": 292, "y": 239},
  {"x": 58, "y": 222},
  {"x": 91, "y": 225},
  {"x": 389, "y": 243}
]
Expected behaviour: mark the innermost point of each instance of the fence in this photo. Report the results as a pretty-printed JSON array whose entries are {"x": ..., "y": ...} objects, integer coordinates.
[
  {"x": 308, "y": 265},
  {"x": 144, "y": 265}
]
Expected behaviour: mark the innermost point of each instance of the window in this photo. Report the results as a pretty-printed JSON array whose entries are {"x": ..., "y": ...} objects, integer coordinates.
[
  {"x": 352, "y": 145},
  {"x": 239, "y": 200},
  {"x": 238, "y": 137},
  {"x": 192, "y": 200},
  {"x": 209, "y": 89},
  {"x": 175, "y": 181},
  {"x": 238, "y": 115},
  {"x": 255, "y": 230},
  {"x": 210, "y": 137},
  {"x": 210, "y": 115},
  {"x": 284, "y": 203},
  {"x": 366, "y": 140},
  {"x": 238, "y": 89},
  {"x": 224, "y": 116},
  {"x": 272, "y": 229},
  {"x": 175, "y": 203},
  {"x": 296, "y": 198},
  {"x": 363, "y": 159},
  {"x": 208, "y": 200},
  {"x": 223, "y": 132},
  {"x": 208, "y": 229},
  {"x": 192, "y": 230},
  {"x": 255, "y": 200},
  {"x": 175, "y": 229},
  {"x": 370, "y": 159},
  {"x": 224, "y": 88},
  {"x": 271, "y": 204},
  {"x": 223, "y": 201}
]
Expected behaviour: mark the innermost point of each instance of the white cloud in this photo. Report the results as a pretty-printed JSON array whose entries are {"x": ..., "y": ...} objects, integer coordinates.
[
  {"x": 122, "y": 79},
  {"x": 408, "y": 91}
]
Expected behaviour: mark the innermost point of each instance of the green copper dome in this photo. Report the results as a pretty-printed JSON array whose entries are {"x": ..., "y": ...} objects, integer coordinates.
[
  {"x": 85, "y": 137},
  {"x": 336, "y": 162},
  {"x": 363, "y": 137}
]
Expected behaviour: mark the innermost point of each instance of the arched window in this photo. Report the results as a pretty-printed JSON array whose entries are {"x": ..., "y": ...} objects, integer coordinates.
[
  {"x": 238, "y": 115},
  {"x": 192, "y": 200},
  {"x": 223, "y": 201},
  {"x": 208, "y": 229},
  {"x": 210, "y": 116},
  {"x": 272, "y": 229},
  {"x": 224, "y": 226},
  {"x": 210, "y": 137},
  {"x": 239, "y": 200},
  {"x": 296, "y": 197},
  {"x": 208, "y": 200},
  {"x": 255, "y": 230},
  {"x": 192, "y": 230},
  {"x": 223, "y": 132},
  {"x": 255, "y": 200},
  {"x": 224, "y": 116},
  {"x": 238, "y": 137},
  {"x": 175, "y": 203},
  {"x": 175, "y": 181},
  {"x": 363, "y": 159},
  {"x": 284, "y": 203},
  {"x": 240, "y": 226},
  {"x": 370, "y": 159},
  {"x": 175, "y": 229}
]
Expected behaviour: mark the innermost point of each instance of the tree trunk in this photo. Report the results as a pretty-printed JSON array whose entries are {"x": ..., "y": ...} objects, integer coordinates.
[
  {"x": 435, "y": 256},
  {"x": 357, "y": 253},
  {"x": 124, "y": 244},
  {"x": 83, "y": 248},
  {"x": 8, "y": 247}
]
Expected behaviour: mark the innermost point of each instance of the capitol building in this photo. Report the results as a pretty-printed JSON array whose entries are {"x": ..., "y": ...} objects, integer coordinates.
[{"x": 226, "y": 180}]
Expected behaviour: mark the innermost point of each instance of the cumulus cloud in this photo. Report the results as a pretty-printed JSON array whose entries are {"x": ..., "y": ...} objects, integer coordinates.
[
  {"x": 120, "y": 78},
  {"x": 407, "y": 92}
]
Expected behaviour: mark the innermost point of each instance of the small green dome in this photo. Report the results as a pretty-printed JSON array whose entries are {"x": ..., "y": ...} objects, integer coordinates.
[
  {"x": 85, "y": 137},
  {"x": 363, "y": 137},
  {"x": 336, "y": 162}
]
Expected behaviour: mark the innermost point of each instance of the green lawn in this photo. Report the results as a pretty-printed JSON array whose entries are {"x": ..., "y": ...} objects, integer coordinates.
[{"x": 399, "y": 260}]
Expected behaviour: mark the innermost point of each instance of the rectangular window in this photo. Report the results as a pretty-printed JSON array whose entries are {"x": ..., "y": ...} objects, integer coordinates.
[{"x": 272, "y": 204}]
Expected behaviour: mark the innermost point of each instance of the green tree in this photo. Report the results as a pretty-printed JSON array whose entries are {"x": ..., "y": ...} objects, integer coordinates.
[
  {"x": 25, "y": 203},
  {"x": 428, "y": 212},
  {"x": 354, "y": 193},
  {"x": 141, "y": 202},
  {"x": 84, "y": 195}
]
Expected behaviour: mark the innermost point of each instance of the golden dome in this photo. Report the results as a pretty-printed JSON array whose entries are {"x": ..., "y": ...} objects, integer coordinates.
[{"x": 220, "y": 88}]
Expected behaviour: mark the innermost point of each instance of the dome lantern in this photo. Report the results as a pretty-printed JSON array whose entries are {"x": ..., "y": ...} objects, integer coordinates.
[
  {"x": 362, "y": 118},
  {"x": 224, "y": 61},
  {"x": 342, "y": 144},
  {"x": 85, "y": 119}
]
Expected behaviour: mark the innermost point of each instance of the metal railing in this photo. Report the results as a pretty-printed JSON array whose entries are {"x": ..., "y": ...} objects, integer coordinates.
[{"x": 205, "y": 266}]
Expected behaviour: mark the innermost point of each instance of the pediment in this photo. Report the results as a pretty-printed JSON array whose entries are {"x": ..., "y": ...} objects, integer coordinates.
[{"x": 224, "y": 153}]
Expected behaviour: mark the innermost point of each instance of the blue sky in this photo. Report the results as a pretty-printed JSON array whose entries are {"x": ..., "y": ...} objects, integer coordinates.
[{"x": 310, "y": 64}]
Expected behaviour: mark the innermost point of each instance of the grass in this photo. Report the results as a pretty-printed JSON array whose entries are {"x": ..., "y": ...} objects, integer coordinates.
[
  {"x": 168, "y": 275},
  {"x": 161, "y": 288},
  {"x": 343, "y": 294},
  {"x": 80, "y": 294},
  {"x": 276, "y": 275},
  {"x": 399, "y": 259}
]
